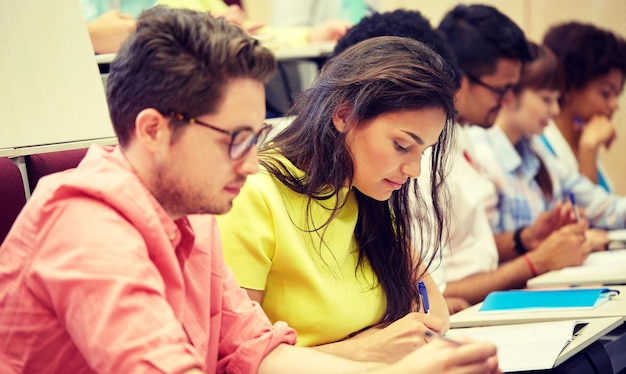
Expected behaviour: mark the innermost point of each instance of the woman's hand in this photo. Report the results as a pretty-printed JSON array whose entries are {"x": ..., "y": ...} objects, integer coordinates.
[
  {"x": 598, "y": 131},
  {"x": 565, "y": 247},
  {"x": 391, "y": 343},
  {"x": 598, "y": 239},
  {"x": 442, "y": 356}
]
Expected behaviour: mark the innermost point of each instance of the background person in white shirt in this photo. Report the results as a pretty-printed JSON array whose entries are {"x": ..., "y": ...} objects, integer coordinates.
[{"x": 490, "y": 50}]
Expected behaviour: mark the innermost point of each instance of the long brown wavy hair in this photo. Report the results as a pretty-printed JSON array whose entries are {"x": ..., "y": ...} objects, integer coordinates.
[{"x": 377, "y": 76}]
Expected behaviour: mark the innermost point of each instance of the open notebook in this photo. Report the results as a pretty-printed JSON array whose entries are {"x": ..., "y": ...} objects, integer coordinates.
[
  {"x": 531, "y": 346},
  {"x": 542, "y": 300}
]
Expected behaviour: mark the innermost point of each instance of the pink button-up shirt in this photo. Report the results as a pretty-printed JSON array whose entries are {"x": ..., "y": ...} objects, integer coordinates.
[{"x": 95, "y": 276}]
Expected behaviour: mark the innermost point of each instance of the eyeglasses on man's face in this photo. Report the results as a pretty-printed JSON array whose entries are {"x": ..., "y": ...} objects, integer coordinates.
[
  {"x": 241, "y": 140},
  {"x": 499, "y": 91}
]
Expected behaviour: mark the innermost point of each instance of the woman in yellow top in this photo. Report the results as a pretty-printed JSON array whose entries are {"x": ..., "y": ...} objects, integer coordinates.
[{"x": 321, "y": 237}]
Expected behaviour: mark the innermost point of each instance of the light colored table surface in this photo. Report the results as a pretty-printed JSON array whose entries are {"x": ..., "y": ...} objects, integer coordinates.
[
  {"x": 312, "y": 51},
  {"x": 35, "y": 149},
  {"x": 518, "y": 350},
  {"x": 606, "y": 267},
  {"x": 616, "y": 307}
]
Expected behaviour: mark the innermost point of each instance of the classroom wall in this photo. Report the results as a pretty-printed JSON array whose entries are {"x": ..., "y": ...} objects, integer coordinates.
[
  {"x": 534, "y": 17},
  {"x": 51, "y": 87}
]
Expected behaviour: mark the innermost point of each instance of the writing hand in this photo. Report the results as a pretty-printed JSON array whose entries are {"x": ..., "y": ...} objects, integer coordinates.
[
  {"x": 398, "y": 339},
  {"x": 442, "y": 356}
]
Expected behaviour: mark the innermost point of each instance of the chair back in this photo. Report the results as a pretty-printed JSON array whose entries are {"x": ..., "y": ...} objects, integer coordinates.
[
  {"x": 41, "y": 164},
  {"x": 12, "y": 195}
]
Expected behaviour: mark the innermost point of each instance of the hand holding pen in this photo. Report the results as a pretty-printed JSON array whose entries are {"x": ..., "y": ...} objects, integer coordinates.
[
  {"x": 444, "y": 355},
  {"x": 392, "y": 342}
]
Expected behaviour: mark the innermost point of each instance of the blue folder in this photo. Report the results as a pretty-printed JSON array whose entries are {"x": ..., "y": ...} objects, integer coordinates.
[{"x": 529, "y": 300}]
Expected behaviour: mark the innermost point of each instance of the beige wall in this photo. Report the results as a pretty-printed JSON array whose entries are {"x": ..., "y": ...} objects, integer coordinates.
[
  {"x": 51, "y": 87},
  {"x": 534, "y": 17}
]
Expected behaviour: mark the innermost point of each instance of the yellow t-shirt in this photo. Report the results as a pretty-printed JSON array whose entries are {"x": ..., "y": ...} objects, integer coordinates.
[{"x": 315, "y": 287}]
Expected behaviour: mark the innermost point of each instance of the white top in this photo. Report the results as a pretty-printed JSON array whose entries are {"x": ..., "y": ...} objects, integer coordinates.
[
  {"x": 561, "y": 149},
  {"x": 559, "y": 145},
  {"x": 471, "y": 247}
]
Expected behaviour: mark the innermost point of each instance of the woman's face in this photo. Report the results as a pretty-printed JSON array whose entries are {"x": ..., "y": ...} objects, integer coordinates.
[
  {"x": 532, "y": 111},
  {"x": 387, "y": 150},
  {"x": 598, "y": 97}
]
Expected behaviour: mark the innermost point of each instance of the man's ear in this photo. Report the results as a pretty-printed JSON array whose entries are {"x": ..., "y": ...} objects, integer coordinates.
[
  {"x": 340, "y": 118},
  {"x": 465, "y": 84},
  {"x": 152, "y": 128}
]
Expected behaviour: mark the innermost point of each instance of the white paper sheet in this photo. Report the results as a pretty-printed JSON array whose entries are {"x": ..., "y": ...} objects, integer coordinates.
[{"x": 532, "y": 346}]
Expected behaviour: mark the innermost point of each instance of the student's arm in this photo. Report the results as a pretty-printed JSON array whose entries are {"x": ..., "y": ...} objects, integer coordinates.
[
  {"x": 588, "y": 162},
  {"x": 438, "y": 356},
  {"x": 475, "y": 288},
  {"x": 565, "y": 247},
  {"x": 109, "y": 31},
  {"x": 599, "y": 239},
  {"x": 394, "y": 341},
  {"x": 379, "y": 344},
  {"x": 533, "y": 235},
  {"x": 255, "y": 295},
  {"x": 506, "y": 246},
  {"x": 390, "y": 343},
  {"x": 456, "y": 304}
]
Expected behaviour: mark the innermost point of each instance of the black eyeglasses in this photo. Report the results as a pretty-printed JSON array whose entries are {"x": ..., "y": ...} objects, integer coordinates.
[
  {"x": 241, "y": 140},
  {"x": 500, "y": 92}
]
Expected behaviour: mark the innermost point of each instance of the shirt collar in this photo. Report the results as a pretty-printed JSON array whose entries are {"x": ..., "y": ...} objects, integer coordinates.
[{"x": 518, "y": 158}]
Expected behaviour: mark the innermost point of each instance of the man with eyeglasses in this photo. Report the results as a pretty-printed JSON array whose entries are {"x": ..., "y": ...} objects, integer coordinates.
[
  {"x": 107, "y": 269},
  {"x": 116, "y": 266},
  {"x": 490, "y": 50}
]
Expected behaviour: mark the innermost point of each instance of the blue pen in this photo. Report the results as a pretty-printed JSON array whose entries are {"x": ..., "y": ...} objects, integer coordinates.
[
  {"x": 572, "y": 198},
  {"x": 421, "y": 287}
]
